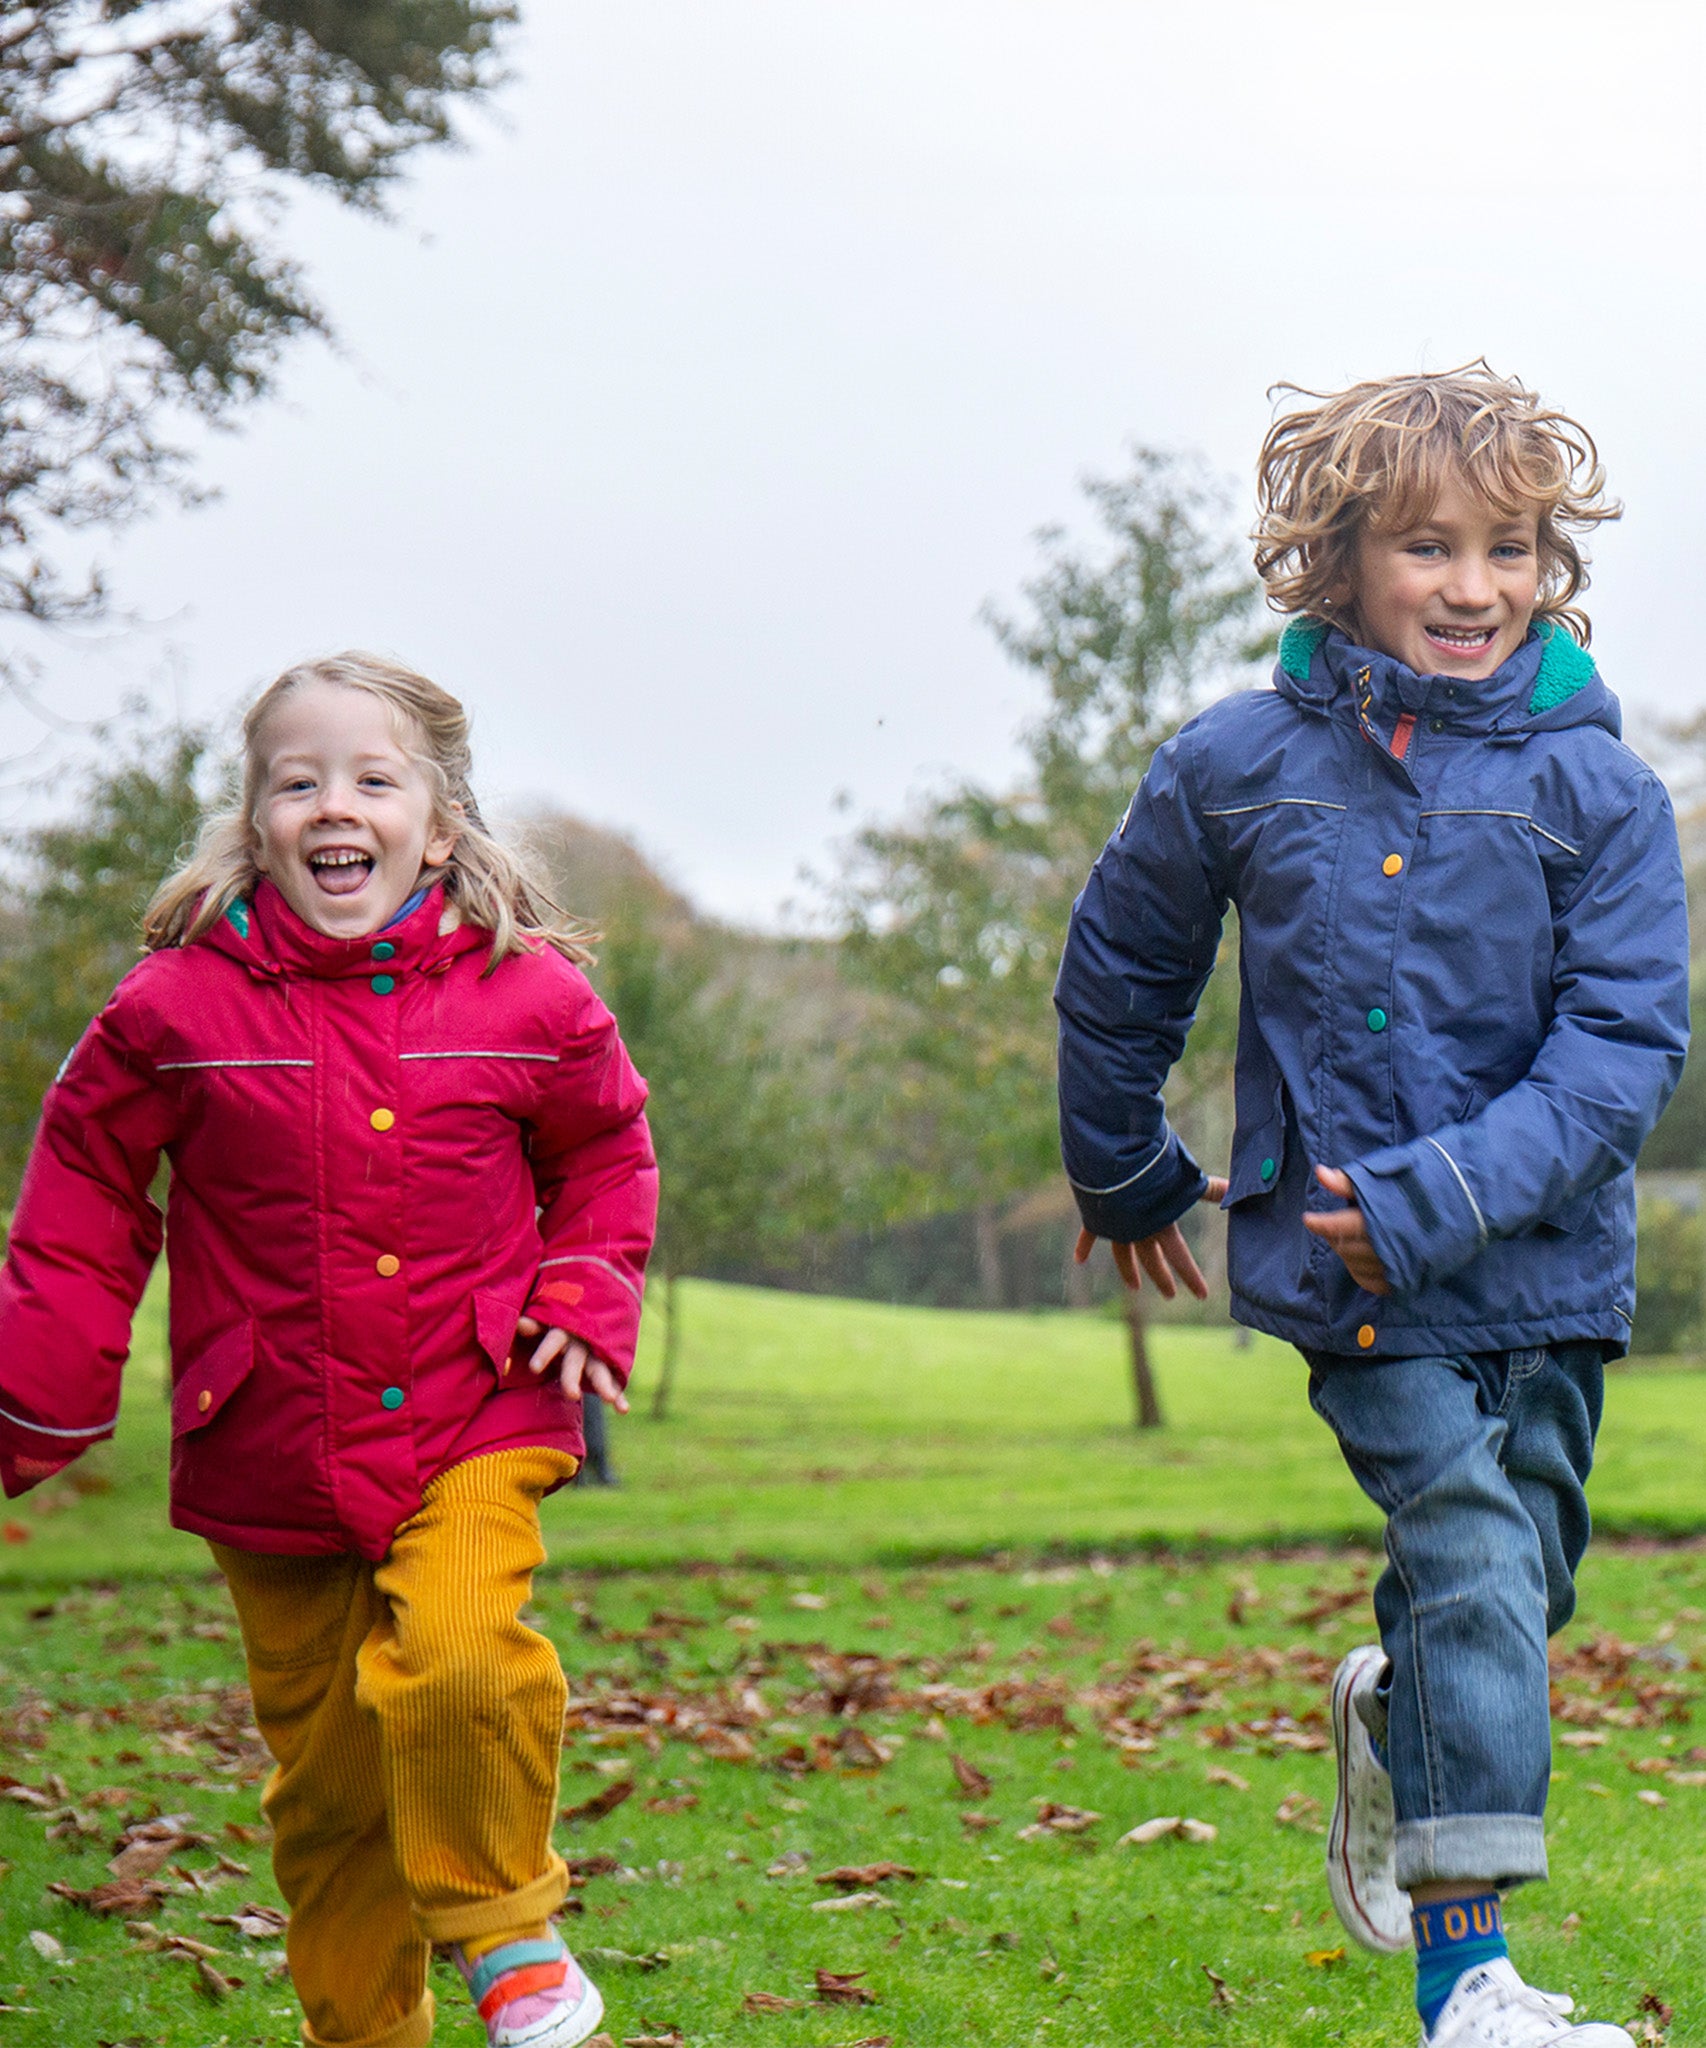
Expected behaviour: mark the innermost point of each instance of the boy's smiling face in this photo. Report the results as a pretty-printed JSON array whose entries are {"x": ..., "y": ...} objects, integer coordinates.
[
  {"x": 1453, "y": 594},
  {"x": 346, "y": 820}
]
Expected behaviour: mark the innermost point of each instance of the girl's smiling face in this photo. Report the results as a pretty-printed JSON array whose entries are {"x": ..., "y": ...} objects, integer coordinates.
[
  {"x": 1452, "y": 595},
  {"x": 345, "y": 819}
]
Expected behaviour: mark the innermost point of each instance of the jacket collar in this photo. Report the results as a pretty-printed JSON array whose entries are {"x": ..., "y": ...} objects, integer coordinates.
[
  {"x": 268, "y": 937},
  {"x": 1550, "y": 682}
]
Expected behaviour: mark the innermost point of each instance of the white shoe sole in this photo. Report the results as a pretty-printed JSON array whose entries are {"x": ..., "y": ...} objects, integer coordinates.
[{"x": 1370, "y": 1921}]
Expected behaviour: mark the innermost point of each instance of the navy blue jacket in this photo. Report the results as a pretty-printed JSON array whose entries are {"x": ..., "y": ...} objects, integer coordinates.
[{"x": 1464, "y": 962}]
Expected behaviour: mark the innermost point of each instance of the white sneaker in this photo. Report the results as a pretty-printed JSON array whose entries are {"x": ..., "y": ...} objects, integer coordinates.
[
  {"x": 1361, "y": 1866},
  {"x": 1493, "y": 2008}
]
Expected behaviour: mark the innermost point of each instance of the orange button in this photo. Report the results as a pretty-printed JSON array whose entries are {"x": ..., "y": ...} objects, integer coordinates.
[
  {"x": 1365, "y": 1336},
  {"x": 1392, "y": 864},
  {"x": 204, "y": 1400},
  {"x": 383, "y": 1119},
  {"x": 388, "y": 1263}
]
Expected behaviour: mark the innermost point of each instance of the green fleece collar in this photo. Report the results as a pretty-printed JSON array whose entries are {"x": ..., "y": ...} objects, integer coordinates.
[{"x": 1565, "y": 665}]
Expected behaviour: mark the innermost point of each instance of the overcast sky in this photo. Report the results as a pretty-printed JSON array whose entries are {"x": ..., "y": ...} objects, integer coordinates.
[{"x": 693, "y": 412}]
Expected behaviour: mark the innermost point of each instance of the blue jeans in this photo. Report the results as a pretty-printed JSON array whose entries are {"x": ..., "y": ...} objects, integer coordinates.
[{"x": 1478, "y": 1463}]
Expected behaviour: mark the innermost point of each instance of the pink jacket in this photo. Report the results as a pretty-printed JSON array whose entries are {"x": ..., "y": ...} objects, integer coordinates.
[{"x": 381, "y": 1159}]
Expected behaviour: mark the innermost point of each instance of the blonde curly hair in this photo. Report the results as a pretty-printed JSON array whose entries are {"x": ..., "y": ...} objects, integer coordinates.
[
  {"x": 482, "y": 878},
  {"x": 1374, "y": 457}
]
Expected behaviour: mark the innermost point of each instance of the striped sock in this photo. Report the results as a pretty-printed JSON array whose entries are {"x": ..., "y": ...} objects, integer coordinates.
[{"x": 1452, "y": 1936}]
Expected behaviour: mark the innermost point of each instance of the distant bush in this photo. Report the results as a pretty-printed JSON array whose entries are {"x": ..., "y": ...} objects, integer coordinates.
[{"x": 1669, "y": 1261}]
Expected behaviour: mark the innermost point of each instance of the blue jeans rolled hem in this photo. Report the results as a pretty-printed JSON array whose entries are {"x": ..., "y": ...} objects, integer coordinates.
[{"x": 1504, "y": 1849}]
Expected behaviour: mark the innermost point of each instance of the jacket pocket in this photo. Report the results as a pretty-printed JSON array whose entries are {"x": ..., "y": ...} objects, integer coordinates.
[
  {"x": 1258, "y": 1156},
  {"x": 212, "y": 1377},
  {"x": 494, "y": 1324},
  {"x": 1569, "y": 1216}
]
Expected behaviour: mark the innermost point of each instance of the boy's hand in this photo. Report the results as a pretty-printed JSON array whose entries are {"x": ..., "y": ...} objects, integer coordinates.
[
  {"x": 581, "y": 1373},
  {"x": 1346, "y": 1232},
  {"x": 1165, "y": 1257}
]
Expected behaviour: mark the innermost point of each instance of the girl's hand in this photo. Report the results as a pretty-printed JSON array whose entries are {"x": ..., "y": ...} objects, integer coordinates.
[
  {"x": 581, "y": 1373},
  {"x": 1165, "y": 1257},
  {"x": 1346, "y": 1232}
]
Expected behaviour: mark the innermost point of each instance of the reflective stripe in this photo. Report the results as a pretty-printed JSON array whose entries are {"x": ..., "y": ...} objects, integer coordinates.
[
  {"x": 178, "y": 1066},
  {"x": 41, "y": 1428},
  {"x": 1521, "y": 816},
  {"x": 591, "y": 1259},
  {"x": 1480, "y": 1220},
  {"x": 1137, "y": 1176},
  {"x": 1238, "y": 810},
  {"x": 481, "y": 1053}
]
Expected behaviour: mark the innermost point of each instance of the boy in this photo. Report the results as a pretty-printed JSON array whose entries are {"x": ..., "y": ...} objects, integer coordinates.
[{"x": 1464, "y": 963}]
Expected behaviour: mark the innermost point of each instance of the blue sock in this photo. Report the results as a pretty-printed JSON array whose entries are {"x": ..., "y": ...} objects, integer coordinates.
[{"x": 1452, "y": 1937}]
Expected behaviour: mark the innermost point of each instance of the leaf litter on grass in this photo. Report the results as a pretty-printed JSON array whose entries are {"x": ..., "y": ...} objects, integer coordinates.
[{"x": 767, "y": 1711}]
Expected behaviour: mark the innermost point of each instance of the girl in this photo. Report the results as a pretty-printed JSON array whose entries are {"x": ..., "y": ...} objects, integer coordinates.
[{"x": 412, "y": 1196}]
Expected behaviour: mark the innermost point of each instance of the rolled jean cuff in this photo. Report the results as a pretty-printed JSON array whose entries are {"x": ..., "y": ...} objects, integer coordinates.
[
  {"x": 474, "y": 1918},
  {"x": 1503, "y": 1849}
]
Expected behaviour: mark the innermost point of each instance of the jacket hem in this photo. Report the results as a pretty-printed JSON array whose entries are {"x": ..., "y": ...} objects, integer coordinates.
[{"x": 1402, "y": 1340}]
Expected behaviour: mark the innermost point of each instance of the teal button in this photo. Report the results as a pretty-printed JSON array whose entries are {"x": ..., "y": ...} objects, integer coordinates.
[
  {"x": 383, "y": 984},
  {"x": 384, "y": 950},
  {"x": 1268, "y": 1169},
  {"x": 391, "y": 1398},
  {"x": 1376, "y": 1018}
]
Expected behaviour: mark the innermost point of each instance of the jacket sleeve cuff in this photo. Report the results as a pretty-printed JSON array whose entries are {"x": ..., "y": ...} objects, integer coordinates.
[
  {"x": 594, "y": 1299},
  {"x": 1423, "y": 1219},
  {"x": 1158, "y": 1194},
  {"x": 27, "y": 1457}
]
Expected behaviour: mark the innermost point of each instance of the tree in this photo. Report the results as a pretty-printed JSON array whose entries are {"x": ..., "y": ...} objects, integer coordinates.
[
  {"x": 71, "y": 911},
  {"x": 146, "y": 150},
  {"x": 957, "y": 913}
]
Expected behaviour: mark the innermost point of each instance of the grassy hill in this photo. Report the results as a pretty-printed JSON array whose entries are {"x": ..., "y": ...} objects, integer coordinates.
[{"x": 813, "y": 1431}]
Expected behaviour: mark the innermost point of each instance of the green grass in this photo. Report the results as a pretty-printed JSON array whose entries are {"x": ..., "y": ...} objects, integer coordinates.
[
  {"x": 117, "y": 1702},
  {"x": 812, "y": 1431}
]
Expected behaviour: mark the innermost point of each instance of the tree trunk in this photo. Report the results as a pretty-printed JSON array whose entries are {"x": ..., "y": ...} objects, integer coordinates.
[
  {"x": 671, "y": 1349},
  {"x": 1142, "y": 1378},
  {"x": 986, "y": 1224}
]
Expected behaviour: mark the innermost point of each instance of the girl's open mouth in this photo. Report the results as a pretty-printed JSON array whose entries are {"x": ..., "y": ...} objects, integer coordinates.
[{"x": 340, "y": 870}]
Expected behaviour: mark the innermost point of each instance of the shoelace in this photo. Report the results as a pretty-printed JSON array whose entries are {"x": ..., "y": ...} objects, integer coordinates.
[{"x": 1521, "y": 2016}]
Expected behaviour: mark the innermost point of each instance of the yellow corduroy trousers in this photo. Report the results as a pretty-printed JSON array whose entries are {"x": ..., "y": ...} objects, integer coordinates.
[{"x": 417, "y": 1723}]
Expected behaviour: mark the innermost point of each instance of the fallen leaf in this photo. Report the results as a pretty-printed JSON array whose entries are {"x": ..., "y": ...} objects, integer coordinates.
[
  {"x": 14, "y": 1532},
  {"x": 835, "y": 1987},
  {"x": 241, "y": 1831},
  {"x": 1583, "y": 1738},
  {"x": 621, "y": 1959},
  {"x": 789, "y": 1865},
  {"x": 1224, "y": 1995},
  {"x": 1184, "y": 1827},
  {"x": 255, "y": 1923},
  {"x": 975, "y": 1823},
  {"x": 1217, "y": 1774},
  {"x": 1570, "y": 1926},
  {"x": 859, "y": 1876},
  {"x": 127, "y": 1897},
  {"x": 1055, "y": 1819},
  {"x": 1299, "y": 1810},
  {"x": 1651, "y": 2002},
  {"x": 811, "y": 1600},
  {"x": 768, "y": 2001},
  {"x": 1324, "y": 1958},
  {"x": 862, "y": 1752},
  {"x": 864, "y": 2041},
  {"x": 854, "y": 1902},
  {"x": 673, "y": 2039},
  {"x": 600, "y": 1803},
  {"x": 680, "y": 1802},
  {"x": 1650, "y": 1798},
  {"x": 580, "y": 1868},
  {"x": 45, "y": 1946},
  {"x": 213, "y": 1982},
  {"x": 972, "y": 1782}
]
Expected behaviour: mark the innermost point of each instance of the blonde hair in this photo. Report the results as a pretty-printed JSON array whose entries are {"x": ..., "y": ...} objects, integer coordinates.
[
  {"x": 482, "y": 878},
  {"x": 1373, "y": 458}
]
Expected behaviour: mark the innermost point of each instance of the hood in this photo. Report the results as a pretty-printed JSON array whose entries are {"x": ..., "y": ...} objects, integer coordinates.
[
  {"x": 1550, "y": 682},
  {"x": 268, "y": 937}
]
